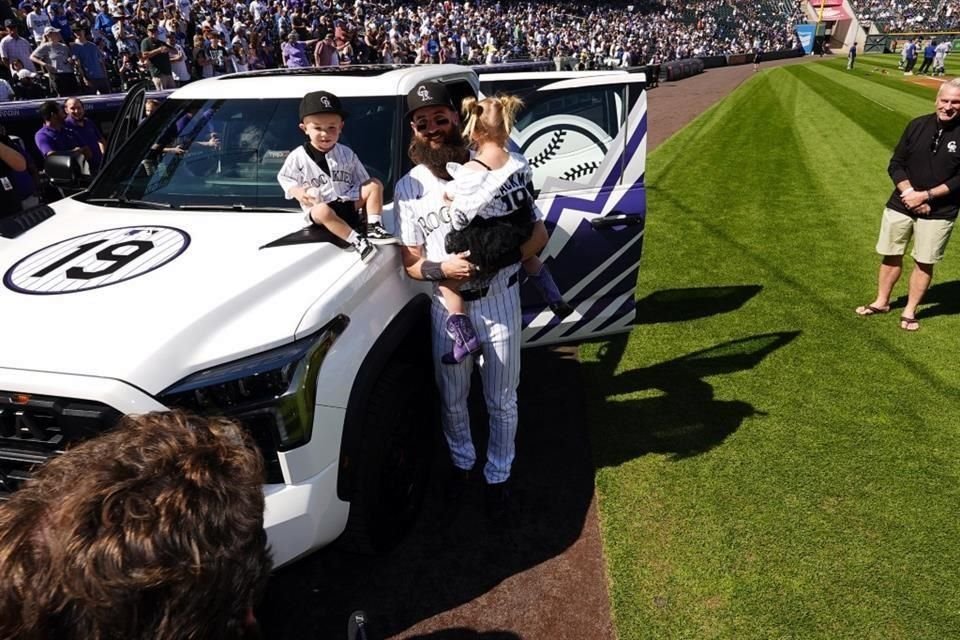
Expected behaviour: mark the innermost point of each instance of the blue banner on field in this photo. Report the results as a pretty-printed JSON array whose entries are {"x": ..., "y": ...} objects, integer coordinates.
[{"x": 806, "y": 33}]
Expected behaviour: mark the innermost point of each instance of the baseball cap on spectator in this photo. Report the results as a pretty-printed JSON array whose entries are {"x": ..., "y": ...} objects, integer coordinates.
[
  {"x": 428, "y": 94},
  {"x": 23, "y": 74},
  {"x": 48, "y": 30},
  {"x": 10, "y": 24}
]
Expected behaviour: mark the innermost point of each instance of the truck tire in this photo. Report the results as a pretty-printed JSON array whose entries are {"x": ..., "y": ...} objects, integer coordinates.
[{"x": 396, "y": 452}]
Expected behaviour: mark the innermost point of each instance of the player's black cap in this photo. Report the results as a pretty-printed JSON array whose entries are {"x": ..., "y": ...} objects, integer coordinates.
[
  {"x": 428, "y": 94},
  {"x": 320, "y": 102}
]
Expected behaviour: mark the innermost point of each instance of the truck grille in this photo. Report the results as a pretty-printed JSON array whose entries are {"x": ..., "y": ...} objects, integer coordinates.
[{"x": 33, "y": 428}]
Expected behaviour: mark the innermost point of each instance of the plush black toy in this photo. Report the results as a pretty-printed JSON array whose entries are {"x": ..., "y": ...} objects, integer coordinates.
[{"x": 493, "y": 243}]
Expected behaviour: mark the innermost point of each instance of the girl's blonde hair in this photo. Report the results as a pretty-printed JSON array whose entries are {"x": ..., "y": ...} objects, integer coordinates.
[{"x": 490, "y": 119}]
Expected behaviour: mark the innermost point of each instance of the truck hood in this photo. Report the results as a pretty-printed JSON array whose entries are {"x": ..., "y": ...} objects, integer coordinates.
[{"x": 201, "y": 289}]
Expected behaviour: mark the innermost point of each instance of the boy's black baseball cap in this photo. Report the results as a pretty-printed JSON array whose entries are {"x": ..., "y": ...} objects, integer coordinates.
[
  {"x": 428, "y": 94},
  {"x": 320, "y": 102}
]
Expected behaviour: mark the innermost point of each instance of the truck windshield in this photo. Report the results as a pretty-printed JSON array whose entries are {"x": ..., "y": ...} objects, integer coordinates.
[{"x": 213, "y": 154}]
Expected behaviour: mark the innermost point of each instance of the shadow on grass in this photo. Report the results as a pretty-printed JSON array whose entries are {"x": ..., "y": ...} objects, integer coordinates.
[
  {"x": 942, "y": 299},
  {"x": 686, "y": 419},
  {"x": 677, "y": 305}
]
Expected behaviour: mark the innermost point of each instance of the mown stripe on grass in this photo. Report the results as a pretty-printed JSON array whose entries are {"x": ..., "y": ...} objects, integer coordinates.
[
  {"x": 894, "y": 93},
  {"x": 878, "y": 122},
  {"x": 808, "y": 491}
]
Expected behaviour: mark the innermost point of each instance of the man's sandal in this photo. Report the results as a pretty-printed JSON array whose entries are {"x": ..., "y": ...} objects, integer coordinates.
[
  {"x": 870, "y": 310},
  {"x": 909, "y": 324}
]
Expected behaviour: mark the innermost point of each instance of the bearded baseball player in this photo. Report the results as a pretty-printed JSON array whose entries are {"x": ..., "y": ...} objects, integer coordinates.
[{"x": 492, "y": 303}]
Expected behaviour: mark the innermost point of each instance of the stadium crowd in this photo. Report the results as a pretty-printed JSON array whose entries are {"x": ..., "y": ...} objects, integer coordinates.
[
  {"x": 915, "y": 16},
  {"x": 66, "y": 47}
]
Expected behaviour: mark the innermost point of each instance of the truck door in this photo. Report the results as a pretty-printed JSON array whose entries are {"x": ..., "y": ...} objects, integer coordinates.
[
  {"x": 585, "y": 137},
  {"x": 127, "y": 119}
]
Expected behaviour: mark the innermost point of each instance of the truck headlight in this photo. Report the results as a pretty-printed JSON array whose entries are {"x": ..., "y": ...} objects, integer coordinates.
[{"x": 273, "y": 392}]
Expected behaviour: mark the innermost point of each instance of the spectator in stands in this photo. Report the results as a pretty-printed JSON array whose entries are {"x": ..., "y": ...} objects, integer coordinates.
[
  {"x": 58, "y": 20},
  {"x": 221, "y": 58},
  {"x": 156, "y": 53},
  {"x": 179, "y": 66},
  {"x": 151, "y": 531},
  {"x": 6, "y": 91},
  {"x": 129, "y": 70},
  {"x": 93, "y": 66},
  {"x": 56, "y": 58},
  {"x": 37, "y": 22},
  {"x": 325, "y": 55},
  {"x": 54, "y": 135},
  {"x": 86, "y": 131},
  {"x": 27, "y": 87},
  {"x": 923, "y": 205},
  {"x": 294, "y": 51},
  {"x": 13, "y": 47}
]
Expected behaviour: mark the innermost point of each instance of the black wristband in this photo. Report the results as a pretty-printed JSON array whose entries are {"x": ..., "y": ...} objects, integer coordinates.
[{"x": 432, "y": 270}]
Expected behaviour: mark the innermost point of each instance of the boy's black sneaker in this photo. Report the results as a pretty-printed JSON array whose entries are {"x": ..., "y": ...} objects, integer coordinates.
[
  {"x": 364, "y": 248},
  {"x": 378, "y": 235}
]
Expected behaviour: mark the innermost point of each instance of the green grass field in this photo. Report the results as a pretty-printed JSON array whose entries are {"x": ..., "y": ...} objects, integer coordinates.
[{"x": 770, "y": 465}]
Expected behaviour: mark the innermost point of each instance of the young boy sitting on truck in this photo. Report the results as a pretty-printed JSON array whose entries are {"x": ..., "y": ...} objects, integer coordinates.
[{"x": 328, "y": 179}]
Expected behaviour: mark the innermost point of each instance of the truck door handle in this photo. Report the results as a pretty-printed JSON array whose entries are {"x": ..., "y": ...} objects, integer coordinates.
[{"x": 615, "y": 219}]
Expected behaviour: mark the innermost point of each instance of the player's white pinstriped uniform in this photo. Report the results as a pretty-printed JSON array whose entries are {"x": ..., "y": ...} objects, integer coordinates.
[
  {"x": 347, "y": 174},
  {"x": 424, "y": 221}
]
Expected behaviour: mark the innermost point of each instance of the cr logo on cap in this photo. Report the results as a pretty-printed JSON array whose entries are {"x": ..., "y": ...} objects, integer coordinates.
[
  {"x": 423, "y": 93},
  {"x": 325, "y": 101}
]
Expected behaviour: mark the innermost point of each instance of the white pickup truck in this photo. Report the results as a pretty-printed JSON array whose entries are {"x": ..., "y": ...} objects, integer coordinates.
[{"x": 180, "y": 277}]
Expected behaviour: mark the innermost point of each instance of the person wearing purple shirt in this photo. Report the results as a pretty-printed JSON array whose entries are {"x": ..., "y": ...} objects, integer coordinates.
[
  {"x": 86, "y": 131},
  {"x": 54, "y": 135},
  {"x": 295, "y": 51}
]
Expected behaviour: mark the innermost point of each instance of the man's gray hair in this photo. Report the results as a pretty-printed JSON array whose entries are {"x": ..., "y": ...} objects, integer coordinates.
[{"x": 953, "y": 83}]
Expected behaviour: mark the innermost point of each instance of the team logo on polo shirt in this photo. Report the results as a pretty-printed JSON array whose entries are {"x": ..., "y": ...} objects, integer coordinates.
[
  {"x": 952, "y": 146},
  {"x": 96, "y": 260}
]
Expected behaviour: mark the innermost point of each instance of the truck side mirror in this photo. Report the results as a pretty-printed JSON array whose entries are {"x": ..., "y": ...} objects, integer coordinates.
[{"x": 65, "y": 169}]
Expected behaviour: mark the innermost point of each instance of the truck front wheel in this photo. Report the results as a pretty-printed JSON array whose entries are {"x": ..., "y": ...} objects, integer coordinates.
[{"x": 395, "y": 458}]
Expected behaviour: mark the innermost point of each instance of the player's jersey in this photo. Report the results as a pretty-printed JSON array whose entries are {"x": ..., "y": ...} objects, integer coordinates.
[
  {"x": 491, "y": 194},
  {"x": 425, "y": 220},
  {"x": 347, "y": 173}
]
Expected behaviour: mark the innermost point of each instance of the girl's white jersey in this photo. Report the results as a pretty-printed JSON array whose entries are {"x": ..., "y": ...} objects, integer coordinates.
[
  {"x": 490, "y": 193},
  {"x": 347, "y": 173}
]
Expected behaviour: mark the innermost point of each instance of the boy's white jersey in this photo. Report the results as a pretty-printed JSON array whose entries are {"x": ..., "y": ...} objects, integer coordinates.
[
  {"x": 347, "y": 173},
  {"x": 490, "y": 193}
]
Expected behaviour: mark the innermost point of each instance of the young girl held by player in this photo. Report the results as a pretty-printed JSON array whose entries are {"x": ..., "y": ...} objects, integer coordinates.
[{"x": 493, "y": 211}]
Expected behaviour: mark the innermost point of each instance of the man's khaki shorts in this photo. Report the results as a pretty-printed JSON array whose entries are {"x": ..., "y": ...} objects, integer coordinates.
[{"x": 929, "y": 236}]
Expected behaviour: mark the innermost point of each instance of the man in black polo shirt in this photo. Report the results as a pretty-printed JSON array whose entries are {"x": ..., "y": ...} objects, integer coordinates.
[
  {"x": 925, "y": 169},
  {"x": 157, "y": 54}
]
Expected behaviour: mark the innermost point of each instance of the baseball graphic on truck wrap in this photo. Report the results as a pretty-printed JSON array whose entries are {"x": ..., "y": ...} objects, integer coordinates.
[{"x": 570, "y": 149}]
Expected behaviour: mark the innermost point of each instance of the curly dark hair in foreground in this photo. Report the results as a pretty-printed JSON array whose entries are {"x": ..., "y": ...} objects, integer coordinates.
[{"x": 153, "y": 530}]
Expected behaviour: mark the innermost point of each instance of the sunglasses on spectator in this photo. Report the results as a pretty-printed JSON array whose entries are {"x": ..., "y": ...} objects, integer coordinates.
[{"x": 423, "y": 125}]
